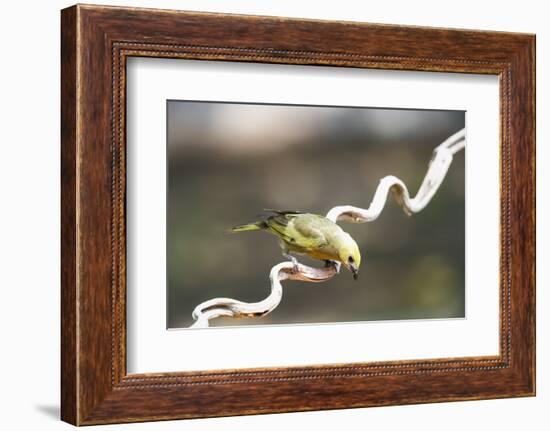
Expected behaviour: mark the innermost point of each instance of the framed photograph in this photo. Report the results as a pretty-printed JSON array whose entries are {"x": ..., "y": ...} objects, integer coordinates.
[{"x": 262, "y": 214}]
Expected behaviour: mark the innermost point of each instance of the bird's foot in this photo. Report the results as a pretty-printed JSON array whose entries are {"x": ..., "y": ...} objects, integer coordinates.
[
  {"x": 332, "y": 264},
  {"x": 295, "y": 269}
]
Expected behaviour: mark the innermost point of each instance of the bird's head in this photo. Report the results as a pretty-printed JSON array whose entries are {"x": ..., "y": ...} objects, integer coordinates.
[{"x": 350, "y": 256}]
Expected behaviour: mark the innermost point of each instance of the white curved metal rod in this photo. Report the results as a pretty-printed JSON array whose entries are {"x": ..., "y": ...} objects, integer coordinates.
[
  {"x": 219, "y": 307},
  {"x": 437, "y": 169}
]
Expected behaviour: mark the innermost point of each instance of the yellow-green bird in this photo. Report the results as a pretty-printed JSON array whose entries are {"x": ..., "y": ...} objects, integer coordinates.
[{"x": 309, "y": 234}]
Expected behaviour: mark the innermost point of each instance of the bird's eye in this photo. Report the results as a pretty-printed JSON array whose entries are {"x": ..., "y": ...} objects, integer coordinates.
[{"x": 350, "y": 259}]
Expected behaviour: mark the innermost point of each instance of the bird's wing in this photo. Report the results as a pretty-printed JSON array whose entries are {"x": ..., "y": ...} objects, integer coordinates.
[
  {"x": 279, "y": 225},
  {"x": 282, "y": 212},
  {"x": 306, "y": 234}
]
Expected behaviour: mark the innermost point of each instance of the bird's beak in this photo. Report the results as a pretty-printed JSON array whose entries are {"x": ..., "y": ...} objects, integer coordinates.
[{"x": 354, "y": 270}]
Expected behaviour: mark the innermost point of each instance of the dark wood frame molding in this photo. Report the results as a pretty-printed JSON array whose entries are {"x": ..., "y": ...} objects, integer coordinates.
[{"x": 95, "y": 43}]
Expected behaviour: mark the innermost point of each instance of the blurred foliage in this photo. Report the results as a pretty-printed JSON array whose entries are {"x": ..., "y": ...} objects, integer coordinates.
[{"x": 222, "y": 171}]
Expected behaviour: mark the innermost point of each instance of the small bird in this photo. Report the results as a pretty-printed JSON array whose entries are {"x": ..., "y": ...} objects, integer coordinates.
[{"x": 311, "y": 234}]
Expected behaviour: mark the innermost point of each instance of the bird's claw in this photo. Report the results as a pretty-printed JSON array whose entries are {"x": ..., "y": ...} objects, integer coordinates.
[{"x": 295, "y": 268}]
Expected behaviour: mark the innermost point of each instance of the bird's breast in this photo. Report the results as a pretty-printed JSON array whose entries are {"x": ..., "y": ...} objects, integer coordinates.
[{"x": 323, "y": 254}]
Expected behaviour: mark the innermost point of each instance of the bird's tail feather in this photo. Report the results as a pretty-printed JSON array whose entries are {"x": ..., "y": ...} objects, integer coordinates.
[{"x": 259, "y": 225}]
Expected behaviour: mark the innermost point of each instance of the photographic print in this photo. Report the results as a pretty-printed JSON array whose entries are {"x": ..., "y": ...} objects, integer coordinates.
[{"x": 252, "y": 239}]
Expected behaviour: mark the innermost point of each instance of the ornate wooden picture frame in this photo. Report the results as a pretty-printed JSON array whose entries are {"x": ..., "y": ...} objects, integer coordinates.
[{"x": 96, "y": 41}]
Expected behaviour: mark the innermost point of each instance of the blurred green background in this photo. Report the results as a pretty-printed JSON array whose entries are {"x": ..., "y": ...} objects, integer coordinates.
[{"x": 228, "y": 161}]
